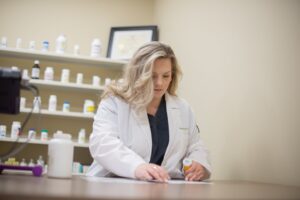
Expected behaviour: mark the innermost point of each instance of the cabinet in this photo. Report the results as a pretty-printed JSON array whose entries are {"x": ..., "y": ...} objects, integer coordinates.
[{"x": 69, "y": 122}]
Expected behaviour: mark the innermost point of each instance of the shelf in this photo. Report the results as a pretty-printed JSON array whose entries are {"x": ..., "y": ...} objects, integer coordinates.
[
  {"x": 67, "y": 86},
  {"x": 60, "y": 113},
  {"x": 35, "y": 141},
  {"x": 69, "y": 58}
]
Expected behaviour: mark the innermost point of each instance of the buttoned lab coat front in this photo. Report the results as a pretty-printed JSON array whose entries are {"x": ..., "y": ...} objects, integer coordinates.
[{"x": 121, "y": 139}]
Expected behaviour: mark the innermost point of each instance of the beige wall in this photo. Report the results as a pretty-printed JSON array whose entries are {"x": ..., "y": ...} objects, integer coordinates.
[
  {"x": 240, "y": 62},
  {"x": 241, "y": 75}
]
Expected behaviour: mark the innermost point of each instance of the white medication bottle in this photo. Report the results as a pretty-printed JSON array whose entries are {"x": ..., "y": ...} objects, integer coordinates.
[
  {"x": 15, "y": 129},
  {"x": 52, "y": 103},
  {"x": 18, "y": 43},
  {"x": 79, "y": 78},
  {"x": 66, "y": 106},
  {"x": 35, "y": 72},
  {"x": 31, "y": 134},
  {"x": 31, "y": 45},
  {"x": 96, "y": 80},
  {"x": 44, "y": 135},
  {"x": 81, "y": 136},
  {"x": 61, "y": 44},
  {"x": 3, "y": 43},
  {"x": 65, "y": 75},
  {"x": 45, "y": 45},
  {"x": 25, "y": 74},
  {"x": 2, "y": 131},
  {"x": 22, "y": 102},
  {"x": 60, "y": 156},
  {"x": 76, "y": 49},
  {"x": 89, "y": 106},
  {"x": 49, "y": 74},
  {"x": 95, "y": 47}
]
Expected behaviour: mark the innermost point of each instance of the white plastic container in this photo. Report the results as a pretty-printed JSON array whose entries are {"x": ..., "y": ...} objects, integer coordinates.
[
  {"x": 52, "y": 103},
  {"x": 45, "y": 45},
  {"x": 79, "y": 78},
  {"x": 3, "y": 42},
  {"x": 49, "y": 74},
  {"x": 61, "y": 44},
  {"x": 60, "y": 156},
  {"x": 22, "y": 102},
  {"x": 96, "y": 47},
  {"x": 66, "y": 106},
  {"x": 96, "y": 80},
  {"x": 37, "y": 104},
  {"x": 25, "y": 74},
  {"x": 2, "y": 131},
  {"x": 65, "y": 75},
  {"x": 44, "y": 135},
  {"x": 89, "y": 106},
  {"x": 81, "y": 136},
  {"x": 15, "y": 129},
  {"x": 31, "y": 134}
]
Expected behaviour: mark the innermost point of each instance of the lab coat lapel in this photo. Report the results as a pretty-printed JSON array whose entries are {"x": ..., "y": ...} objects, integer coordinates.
[
  {"x": 142, "y": 121},
  {"x": 173, "y": 120}
]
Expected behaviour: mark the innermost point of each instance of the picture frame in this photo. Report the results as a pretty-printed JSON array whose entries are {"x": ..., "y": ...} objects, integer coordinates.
[{"x": 125, "y": 40}]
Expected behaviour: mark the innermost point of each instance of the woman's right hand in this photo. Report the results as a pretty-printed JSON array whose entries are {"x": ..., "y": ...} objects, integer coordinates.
[{"x": 149, "y": 172}]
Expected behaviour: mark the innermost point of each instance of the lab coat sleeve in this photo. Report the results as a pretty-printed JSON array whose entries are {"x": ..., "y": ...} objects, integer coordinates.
[
  {"x": 105, "y": 145},
  {"x": 196, "y": 149}
]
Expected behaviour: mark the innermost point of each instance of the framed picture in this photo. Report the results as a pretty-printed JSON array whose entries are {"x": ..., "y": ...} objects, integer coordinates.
[{"x": 124, "y": 41}]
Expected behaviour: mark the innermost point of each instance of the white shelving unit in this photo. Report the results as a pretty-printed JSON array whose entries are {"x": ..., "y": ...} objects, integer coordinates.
[
  {"x": 35, "y": 141},
  {"x": 59, "y": 113},
  {"x": 24, "y": 53},
  {"x": 66, "y": 86}
]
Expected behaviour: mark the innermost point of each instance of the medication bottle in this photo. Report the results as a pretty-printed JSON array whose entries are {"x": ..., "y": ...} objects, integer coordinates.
[
  {"x": 3, "y": 42},
  {"x": 15, "y": 129},
  {"x": 60, "y": 156},
  {"x": 45, "y": 45},
  {"x": 31, "y": 134},
  {"x": 40, "y": 161},
  {"x": 2, "y": 131},
  {"x": 81, "y": 136},
  {"x": 96, "y": 80},
  {"x": 31, "y": 45},
  {"x": 66, "y": 106},
  {"x": 61, "y": 44},
  {"x": 18, "y": 43},
  {"x": 79, "y": 78},
  {"x": 22, "y": 102},
  {"x": 44, "y": 135},
  {"x": 25, "y": 74},
  {"x": 35, "y": 72},
  {"x": 95, "y": 47},
  {"x": 52, "y": 103},
  {"x": 49, "y": 74},
  {"x": 187, "y": 163},
  {"x": 23, "y": 162},
  {"x": 65, "y": 75},
  {"x": 89, "y": 106}
]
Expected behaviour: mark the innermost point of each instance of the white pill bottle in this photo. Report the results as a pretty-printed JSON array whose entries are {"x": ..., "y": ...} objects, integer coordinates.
[{"x": 60, "y": 156}]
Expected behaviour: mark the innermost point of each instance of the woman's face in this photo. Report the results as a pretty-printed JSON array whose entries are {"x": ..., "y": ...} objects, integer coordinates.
[{"x": 161, "y": 76}]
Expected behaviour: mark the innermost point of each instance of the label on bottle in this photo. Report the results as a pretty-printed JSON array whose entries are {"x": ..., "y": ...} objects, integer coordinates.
[{"x": 35, "y": 73}]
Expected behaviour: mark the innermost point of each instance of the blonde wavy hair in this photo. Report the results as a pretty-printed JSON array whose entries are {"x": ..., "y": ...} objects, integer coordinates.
[{"x": 137, "y": 85}]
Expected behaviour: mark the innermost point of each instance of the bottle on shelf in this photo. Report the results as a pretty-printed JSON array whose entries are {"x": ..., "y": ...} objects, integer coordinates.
[
  {"x": 49, "y": 74},
  {"x": 3, "y": 43},
  {"x": 31, "y": 45},
  {"x": 52, "y": 103},
  {"x": 95, "y": 47},
  {"x": 45, "y": 45},
  {"x": 23, "y": 162},
  {"x": 35, "y": 72},
  {"x": 18, "y": 43},
  {"x": 81, "y": 136},
  {"x": 61, "y": 44},
  {"x": 79, "y": 78},
  {"x": 15, "y": 129},
  {"x": 66, "y": 106},
  {"x": 2, "y": 131},
  {"x": 37, "y": 104},
  {"x": 31, "y": 134},
  {"x": 40, "y": 161},
  {"x": 76, "y": 49},
  {"x": 31, "y": 163},
  {"x": 25, "y": 74},
  {"x": 65, "y": 75},
  {"x": 44, "y": 135}
]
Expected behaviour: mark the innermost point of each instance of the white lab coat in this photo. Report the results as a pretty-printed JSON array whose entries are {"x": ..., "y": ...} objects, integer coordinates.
[{"x": 121, "y": 139}]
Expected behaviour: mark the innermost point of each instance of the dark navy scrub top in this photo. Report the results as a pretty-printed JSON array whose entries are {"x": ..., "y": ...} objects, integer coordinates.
[{"x": 160, "y": 133}]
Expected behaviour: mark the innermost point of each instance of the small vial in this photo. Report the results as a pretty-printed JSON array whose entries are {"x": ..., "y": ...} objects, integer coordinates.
[
  {"x": 35, "y": 73},
  {"x": 44, "y": 135},
  {"x": 66, "y": 107},
  {"x": 31, "y": 134},
  {"x": 31, "y": 163},
  {"x": 187, "y": 163},
  {"x": 23, "y": 162}
]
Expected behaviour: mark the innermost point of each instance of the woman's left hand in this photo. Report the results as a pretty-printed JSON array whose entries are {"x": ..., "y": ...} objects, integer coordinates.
[{"x": 196, "y": 172}]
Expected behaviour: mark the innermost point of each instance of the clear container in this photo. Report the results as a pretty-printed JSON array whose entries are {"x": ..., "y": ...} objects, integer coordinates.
[{"x": 60, "y": 156}]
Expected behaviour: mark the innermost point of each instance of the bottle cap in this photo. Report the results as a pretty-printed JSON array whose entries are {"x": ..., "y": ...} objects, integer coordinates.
[{"x": 36, "y": 62}]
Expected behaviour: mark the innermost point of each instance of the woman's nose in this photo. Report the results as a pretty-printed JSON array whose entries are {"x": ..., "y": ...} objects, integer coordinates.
[{"x": 158, "y": 81}]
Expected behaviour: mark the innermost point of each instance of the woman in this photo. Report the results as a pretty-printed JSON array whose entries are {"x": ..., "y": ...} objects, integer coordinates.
[{"x": 142, "y": 130}]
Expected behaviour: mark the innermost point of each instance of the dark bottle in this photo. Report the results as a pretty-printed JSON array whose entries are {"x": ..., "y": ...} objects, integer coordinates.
[{"x": 35, "y": 72}]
